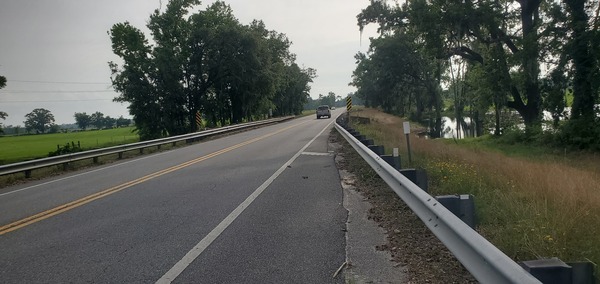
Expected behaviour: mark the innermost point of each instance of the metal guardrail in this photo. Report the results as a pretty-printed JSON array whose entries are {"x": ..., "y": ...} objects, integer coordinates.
[
  {"x": 485, "y": 262},
  {"x": 28, "y": 166}
]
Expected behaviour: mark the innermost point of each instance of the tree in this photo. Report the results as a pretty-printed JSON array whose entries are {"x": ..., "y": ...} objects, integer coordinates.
[
  {"x": 83, "y": 120},
  {"x": 53, "y": 128},
  {"x": 294, "y": 90},
  {"x": 121, "y": 121},
  {"x": 109, "y": 122},
  {"x": 3, "y": 115},
  {"x": 39, "y": 120},
  {"x": 583, "y": 53},
  {"x": 97, "y": 120},
  {"x": 328, "y": 100},
  {"x": 398, "y": 74},
  {"x": 575, "y": 42}
]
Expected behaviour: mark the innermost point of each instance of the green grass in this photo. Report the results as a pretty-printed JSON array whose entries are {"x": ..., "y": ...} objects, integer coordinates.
[
  {"x": 489, "y": 143},
  {"x": 27, "y": 147}
]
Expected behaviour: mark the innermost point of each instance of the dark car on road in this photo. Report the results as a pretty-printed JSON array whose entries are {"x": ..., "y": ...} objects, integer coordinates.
[{"x": 323, "y": 111}]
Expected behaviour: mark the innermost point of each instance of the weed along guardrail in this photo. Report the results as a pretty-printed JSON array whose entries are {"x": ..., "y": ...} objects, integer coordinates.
[
  {"x": 483, "y": 260},
  {"x": 28, "y": 166},
  {"x": 452, "y": 220}
]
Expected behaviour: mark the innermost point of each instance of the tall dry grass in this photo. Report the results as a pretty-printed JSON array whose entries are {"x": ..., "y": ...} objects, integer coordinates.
[{"x": 529, "y": 209}]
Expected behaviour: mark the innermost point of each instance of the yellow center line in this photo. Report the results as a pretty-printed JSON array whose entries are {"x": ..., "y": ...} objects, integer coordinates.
[{"x": 82, "y": 201}]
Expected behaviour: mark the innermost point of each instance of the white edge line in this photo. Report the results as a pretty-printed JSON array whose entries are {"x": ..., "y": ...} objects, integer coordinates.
[{"x": 195, "y": 252}]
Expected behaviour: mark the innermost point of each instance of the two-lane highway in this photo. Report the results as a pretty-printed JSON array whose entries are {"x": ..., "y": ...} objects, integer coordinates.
[{"x": 262, "y": 206}]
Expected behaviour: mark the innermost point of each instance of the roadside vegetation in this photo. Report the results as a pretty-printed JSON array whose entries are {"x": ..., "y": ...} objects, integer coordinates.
[{"x": 531, "y": 203}]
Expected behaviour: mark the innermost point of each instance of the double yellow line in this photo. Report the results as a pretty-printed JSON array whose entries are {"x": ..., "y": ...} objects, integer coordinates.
[{"x": 85, "y": 200}]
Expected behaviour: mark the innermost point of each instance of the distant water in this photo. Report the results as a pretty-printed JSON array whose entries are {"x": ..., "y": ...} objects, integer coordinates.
[{"x": 450, "y": 128}]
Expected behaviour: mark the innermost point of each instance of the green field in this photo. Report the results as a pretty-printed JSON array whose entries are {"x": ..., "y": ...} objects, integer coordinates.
[{"x": 27, "y": 147}]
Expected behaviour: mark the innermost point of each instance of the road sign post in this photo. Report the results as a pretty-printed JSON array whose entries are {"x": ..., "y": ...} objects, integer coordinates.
[
  {"x": 406, "y": 125},
  {"x": 198, "y": 121},
  {"x": 348, "y": 107}
]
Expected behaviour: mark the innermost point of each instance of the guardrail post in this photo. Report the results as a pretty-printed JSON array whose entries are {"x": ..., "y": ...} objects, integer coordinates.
[
  {"x": 551, "y": 270},
  {"x": 95, "y": 159},
  {"x": 377, "y": 149},
  {"x": 360, "y": 137},
  {"x": 65, "y": 166},
  {"x": 120, "y": 155},
  {"x": 158, "y": 147},
  {"x": 28, "y": 174},
  {"x": 173, "y": 144},
  {"x": 394, "y": 161},
  {"x": 463, "y": 207},
  {"x": 582, "y": 272},
  {"x": 367, "y": 142},
  {"x": 417, "y": 176},
  {"x": 554, "y": 270},
  {"x": 141, "y": 150}
]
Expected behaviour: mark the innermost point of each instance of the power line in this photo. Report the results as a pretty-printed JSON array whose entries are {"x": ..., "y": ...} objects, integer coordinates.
[
  {"x": 55, "y": 92},
  {"x": 55, "y": 101},
  {"x": 60, "y": 82}
]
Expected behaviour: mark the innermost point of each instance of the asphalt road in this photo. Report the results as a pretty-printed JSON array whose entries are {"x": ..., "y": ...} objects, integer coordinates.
[{"x": 261, "y": 206}]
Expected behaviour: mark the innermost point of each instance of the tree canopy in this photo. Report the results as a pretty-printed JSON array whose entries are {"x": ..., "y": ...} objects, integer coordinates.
[
  {"x": 97, "y": 119},
  {"x": 82, "y": 119},
  {"x": 205, "y": 62},
  {"x": 524, "y": 55},
  {"x": 39, "y": 119}
]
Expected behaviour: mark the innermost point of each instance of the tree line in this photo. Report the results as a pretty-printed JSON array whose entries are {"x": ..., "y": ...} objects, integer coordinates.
[
  {"x": 41, "y": 121},
  {"x": 204, "y": 63},
  {"x": 331, "y": 99},
  {"x": 486, "y": 56},
  {"x": 99, "y": 121}
]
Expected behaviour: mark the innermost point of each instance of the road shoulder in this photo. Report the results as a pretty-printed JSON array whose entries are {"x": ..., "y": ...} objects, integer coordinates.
[{"x": 365, "y": 263}]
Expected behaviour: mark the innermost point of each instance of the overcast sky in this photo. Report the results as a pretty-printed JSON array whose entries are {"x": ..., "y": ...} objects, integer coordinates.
[{"x": 54, "y": 53}]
